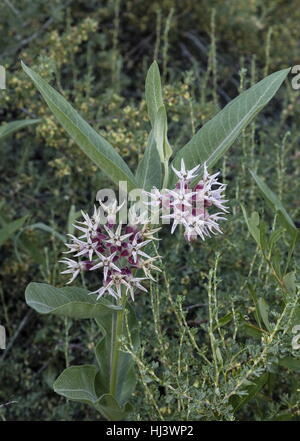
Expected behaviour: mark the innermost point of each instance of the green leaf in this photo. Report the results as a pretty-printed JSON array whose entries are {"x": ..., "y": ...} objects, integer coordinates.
[
  {"x": 252, "y": 391},
  {"x": 254, "y": 297},
  {"x": 291, "y": 363},
  {"x": 126, "y": 379},
  {"x": 77, "y": 383},
  {"x": 275, "y": 204},
  {"x": 253, "y": 225},
  {"x": 223, "y": 321},
  {"x": 110, "y": 408},
  {"x": 296, "y": 316},
  {"x": 9, "y": 128},
  {"x": 157, "y": 112},
  {"x": 8, "y": 230},
  {"x": 263, "y": 309},
  {"x": 289, "y": 281},
  {"x": 275, "y": 236},
  {"x": 154, "y": 98},
  {"x": 90, "y": 384},
  {"x": 160, "y": 132},
  {"x": 211, "y": 142},
  {"x": 91, "y": 143},
  {"x": 148, "y": 173},
  {"x": 47, "y": 229},
  {"x": 252, "y": 330},
  {"x": 264, "y": 242},
  {"x": 68, "y": 302},
  {"x": 284, "y": 416}
]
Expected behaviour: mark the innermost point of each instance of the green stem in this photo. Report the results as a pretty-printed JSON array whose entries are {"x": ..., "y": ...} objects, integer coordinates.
[
  {"x": 117, "y": 325},
  {"x": 166, "y": 175}
]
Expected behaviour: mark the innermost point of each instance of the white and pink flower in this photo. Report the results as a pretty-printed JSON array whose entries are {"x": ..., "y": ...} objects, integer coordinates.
[
  {"x": 190, "y": 204},
  {"x": 116, "y": 249}
]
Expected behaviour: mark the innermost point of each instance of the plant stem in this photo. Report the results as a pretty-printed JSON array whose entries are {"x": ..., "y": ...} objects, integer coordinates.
[
  {"x": 66, "y": 346},
  {"x": 166, "y": 174},
  {"x": 117, "y": 325}
]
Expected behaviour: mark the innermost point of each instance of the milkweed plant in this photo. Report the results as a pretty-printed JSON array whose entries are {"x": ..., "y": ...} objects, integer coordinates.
[{"x": 118, "y": 242}]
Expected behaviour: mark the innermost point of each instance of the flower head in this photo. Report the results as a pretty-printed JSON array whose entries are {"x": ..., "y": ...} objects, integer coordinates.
[
  {"x": 117, "y": 250},
  {"x": 191, "y": 205}
]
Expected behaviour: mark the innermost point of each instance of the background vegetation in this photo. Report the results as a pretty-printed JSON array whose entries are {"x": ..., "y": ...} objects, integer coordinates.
[{"x": 97, "y": 54}]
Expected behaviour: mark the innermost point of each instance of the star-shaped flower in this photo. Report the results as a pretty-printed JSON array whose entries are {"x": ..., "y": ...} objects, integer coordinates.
[
  {"x": 106, "y": 288},
  {"x": 155, "y": 196},
  {"x": 134, "y": 248},
  {"x": 106, "y": 263},
  {"x": 111, "y": 210},
  {"x": 74, "y": 268},
  {"x": 133, "y": 283},
  {"x": 115, "y": 237},
  {"x": 182, "y": 196},
  {"x": 178, "y": 217},
  {"x": 89, "y": 247},
  {"x": 185, "y": 175},
  {"x": 147, "y": 266},
  {"x": 75, "y": 246}
]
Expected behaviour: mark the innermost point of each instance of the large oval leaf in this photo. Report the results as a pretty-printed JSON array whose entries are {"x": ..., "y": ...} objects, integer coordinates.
[
  {"x": 68, "y": 301},
  {"x": 91, "y": 143},
  {"x": 111, "y": 409},
  {"x": 217, "y": 135},
  {"x": 77, "y": 383}
]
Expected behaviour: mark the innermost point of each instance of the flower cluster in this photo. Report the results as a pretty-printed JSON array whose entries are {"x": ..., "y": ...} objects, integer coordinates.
[
  {"x": 189, "y": 205},
  {"x": 115, "y": 249}
]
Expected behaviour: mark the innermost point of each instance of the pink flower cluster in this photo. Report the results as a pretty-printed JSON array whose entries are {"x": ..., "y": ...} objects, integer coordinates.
[
  {"x": 115, "y": 249},
  {"x": 191, "y": 207}
]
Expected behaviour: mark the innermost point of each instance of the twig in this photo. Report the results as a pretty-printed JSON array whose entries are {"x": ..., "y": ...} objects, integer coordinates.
[
  {"x": 35, "y": 34},
  {"x": 187, "y": 53},
  {"x": 11, "y": 6},
  {"x": 28, "y": 39},
  {"x": 7, "y": 404}
]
